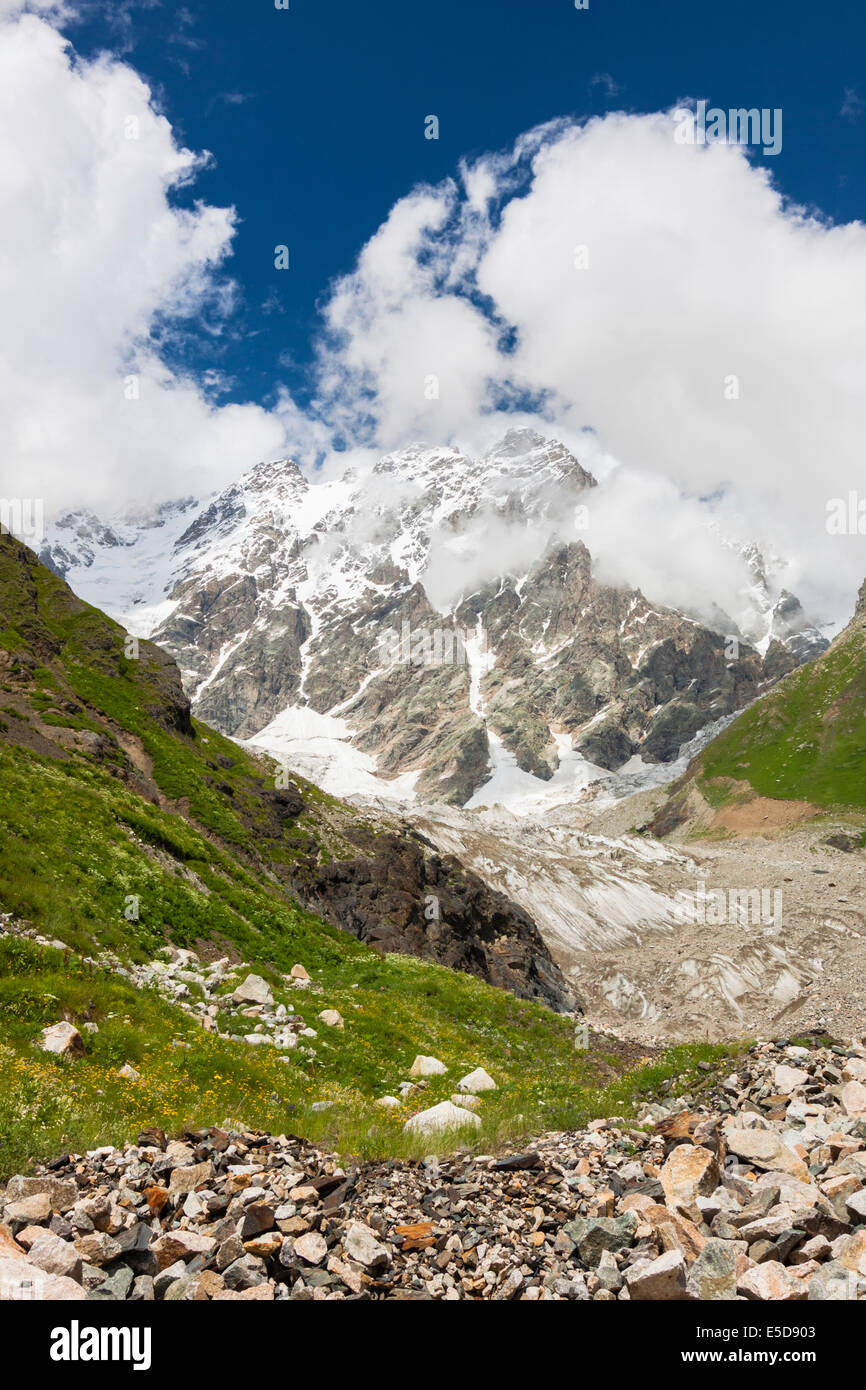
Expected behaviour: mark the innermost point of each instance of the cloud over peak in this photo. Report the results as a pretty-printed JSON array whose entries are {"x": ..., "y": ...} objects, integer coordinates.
[{"x": 599, "y": 276}]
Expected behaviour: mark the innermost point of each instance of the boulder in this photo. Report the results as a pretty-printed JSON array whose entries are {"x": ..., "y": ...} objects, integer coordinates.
[
  {"x": 594, "y": 1234},
  {"x": 787, "y": 1079},
  {"x": 253, "y": 990},
  {"x": 465, "y": 1101},
  {"x": 765, "y": 1149},
  {"x": 56, "y": 1256},
  {"x": 713, "y": 1276},
  {"x": 771, "y": 1281},
  {"x": 21, "y": 1280},
  {"x": 63, "y": 1039},
  {"x": 311, "y": 1248},
  {"x": 186, "y": 1178},
  {"x": 332, "y": 1018},
  {"x": 688, "y": 1172},
  {"x": 476, "y": 1081},
  {"x": 662, "y": 1279},
  {"x": 445, "y": 1115},
  {"x": 362, "y": 1245},
  {"x": 854, "y": 1099},
  {"x": 427, "y": 1066},
  {"x": 29, "y": 1211}
]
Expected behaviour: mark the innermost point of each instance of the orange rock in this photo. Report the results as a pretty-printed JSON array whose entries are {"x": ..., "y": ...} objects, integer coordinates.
[
  {"x": 689, "y": 1171},
  {"x": 636, "y": 1201},
  {"x": 156, "y": 1198},
  {"x": 209, "y": 1285},
  {"x": 416, "y": 1236},
  {"x": 674, "y": 1232},
  {"x": 677, "y": 1127},
  {"x": 8, "y": 1243}
]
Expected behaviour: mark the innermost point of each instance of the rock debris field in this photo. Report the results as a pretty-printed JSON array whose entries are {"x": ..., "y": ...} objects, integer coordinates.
[{"x": 759, "y": 1194}]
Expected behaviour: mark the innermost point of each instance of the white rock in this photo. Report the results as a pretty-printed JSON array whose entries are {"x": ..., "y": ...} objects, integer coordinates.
[
  {"x": 22, "y": 1280},
  {"x": 63, "y": 1039},
  {"x": 477, "y": 1081},
  {"x": 311, "y": 1247},
  {"x": 787, "y": 1079},
  {"x": 854, "y": 1099},
  {"x": 427, "y": 1066},
  {"x": 129, "y": 1073},
  {"x": 388, "y": 1101},
  {"x": 662, "y": 1279},
  {"x": 445, "y": 1115},
  {"x": 331, "y": 1017},
  {"x": 254, "y": 990},
  {"x": 56, "y": 1256},
  {"x": 466, "y": 1102},
  {"x": 361, "y": 1245},
  {"x": 856, "y": 1204}
]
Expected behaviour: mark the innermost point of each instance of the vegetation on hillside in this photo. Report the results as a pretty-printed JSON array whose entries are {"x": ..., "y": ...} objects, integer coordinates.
[{"x": 111, "y": 796}]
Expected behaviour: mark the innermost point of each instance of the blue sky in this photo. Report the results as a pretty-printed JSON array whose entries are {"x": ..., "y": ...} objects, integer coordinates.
[
  {"x": 688, "y": 318},
  {"x": 315, "y": 116}
]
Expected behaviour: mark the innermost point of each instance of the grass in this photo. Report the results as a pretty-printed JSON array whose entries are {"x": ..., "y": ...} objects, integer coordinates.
[
  {"x": 127, "y": 826},
  {"x": 806, "y": 740},
  {"x": 393, "y": 1008}
]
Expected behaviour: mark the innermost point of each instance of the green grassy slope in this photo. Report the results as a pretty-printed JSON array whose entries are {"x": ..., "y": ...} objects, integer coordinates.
[
  {"x": 804, "y": 741},
  {"x": 109, "y": 792}
]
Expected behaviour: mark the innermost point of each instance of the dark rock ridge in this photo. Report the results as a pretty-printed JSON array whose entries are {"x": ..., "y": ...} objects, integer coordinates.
[{"x": 397, "y": 896}]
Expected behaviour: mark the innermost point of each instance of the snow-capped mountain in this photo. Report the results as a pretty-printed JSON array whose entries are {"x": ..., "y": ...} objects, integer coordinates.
[
  {"x": 771, "y": 613},
  {"x": 430, "y": 627}
]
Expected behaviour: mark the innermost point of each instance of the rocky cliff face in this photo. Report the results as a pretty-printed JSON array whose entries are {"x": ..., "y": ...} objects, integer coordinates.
[
  {"x": 424, "y": 625},
  {"x": 122, "y": 727},
  {"x": 397, "y": 896}
]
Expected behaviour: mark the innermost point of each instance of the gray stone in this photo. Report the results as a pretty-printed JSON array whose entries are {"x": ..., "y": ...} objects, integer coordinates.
[
  {"x": 662, "y": 1279},
  {"x": 713, "y": 1276}
]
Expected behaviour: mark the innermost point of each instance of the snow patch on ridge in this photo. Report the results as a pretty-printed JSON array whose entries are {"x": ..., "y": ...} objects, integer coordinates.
[{"x": 318, "y": 746}]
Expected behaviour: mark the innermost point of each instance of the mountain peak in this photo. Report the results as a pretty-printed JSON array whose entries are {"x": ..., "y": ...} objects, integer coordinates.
[{"x": 519, "y": 440}]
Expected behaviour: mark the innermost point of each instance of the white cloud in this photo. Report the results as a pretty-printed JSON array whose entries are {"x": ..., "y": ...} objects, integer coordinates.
[
  {"x": 93, "y": 254},
  {"x": 697, "y": 273},
  {"x": 466, "y": 303}
]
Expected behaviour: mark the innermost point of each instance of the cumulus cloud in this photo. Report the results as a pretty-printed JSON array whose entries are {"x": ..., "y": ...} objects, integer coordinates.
[
  {"x": 658, "y": 306},
  {"x": 665, "y": 296},
  {"x": 94, "y": 260}
]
